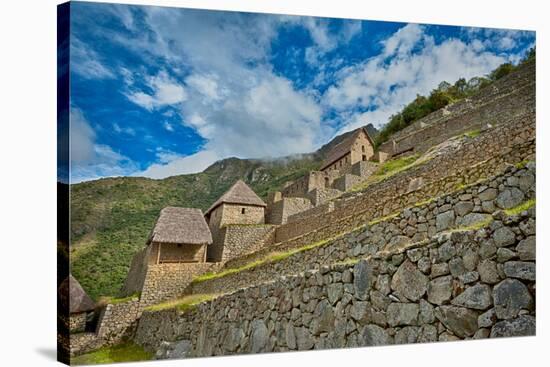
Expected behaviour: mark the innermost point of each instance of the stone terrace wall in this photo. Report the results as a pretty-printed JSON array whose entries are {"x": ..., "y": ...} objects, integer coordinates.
[
  {"x": 329, "y": 225},
  {"x": 503, "y": 141},
  {"x": 321, "y": 209},
  {"x": 471, "y": 205},
  {"x": 117, "y": 322},
  {"x": 239, "y": 240},
  {"x": 321, "y": 196},
  {"x": 510, "y": 96},
  {"x": 167, "y": 281},
  {"x": 466, "y": 285},
  {"x": 279, "y": 211}
]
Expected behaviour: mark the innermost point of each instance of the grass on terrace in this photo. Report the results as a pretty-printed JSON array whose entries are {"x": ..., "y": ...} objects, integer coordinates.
[
  {"x": 114, "y": 300},
  {"x": 184, "y": 303},
  {"x": 270, "y": 258},
  {"x": 472, "y": 133},
  {"x": 388, "y": 169},
  {"x": 521, "y": 207},
  {"x": 128, "y": 352}
]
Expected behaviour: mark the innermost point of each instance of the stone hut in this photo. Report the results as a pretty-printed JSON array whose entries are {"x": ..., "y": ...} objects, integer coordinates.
[
  {"x": 357, "y": 147},
  {"x": 180, "y": 235},
  {"x": 79, "y": 304},
  {"x": 239, "y": 205}
]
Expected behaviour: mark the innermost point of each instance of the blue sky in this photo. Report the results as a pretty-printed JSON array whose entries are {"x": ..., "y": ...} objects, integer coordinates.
[{"x": 159, "y": 91}]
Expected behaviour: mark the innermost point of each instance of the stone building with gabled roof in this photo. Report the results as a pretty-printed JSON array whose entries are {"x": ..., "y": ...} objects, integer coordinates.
[
  {"x": 357, "y": 147},
  {"x": 180, "y": 235},
  {"x": 74, "y": 298},
  {"x": 238, "y": 205}
]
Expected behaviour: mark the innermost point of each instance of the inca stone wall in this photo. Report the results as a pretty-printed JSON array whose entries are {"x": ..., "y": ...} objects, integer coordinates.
[
  {"x": 138, "y": 270},
  {"x": 509, "y": 97},
  {"x": 77, "y": 322},
  {"x": 116, "y": 322},
  {"x": 480, "y": 203},
  {"x": 281, "y": 210},
  {"x": 461, "y": 285},
  {"x": 328, "y": 225},
  {"x": 507, "y": 142},
  {"x": 241, "y": 239},
  {"x": 230, "y": 214},
  {"x": 321, "y": 196},
  {"x": 167, "y": 281}
]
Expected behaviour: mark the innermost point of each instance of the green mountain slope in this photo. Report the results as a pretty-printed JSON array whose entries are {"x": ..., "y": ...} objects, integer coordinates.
[{"x": 111, "y": 218}]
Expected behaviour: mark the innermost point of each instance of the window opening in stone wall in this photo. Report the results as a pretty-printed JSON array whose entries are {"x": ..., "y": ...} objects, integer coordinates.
[
  {"x": 364, "y": 158},
  {"x": 243, "y": 210}
]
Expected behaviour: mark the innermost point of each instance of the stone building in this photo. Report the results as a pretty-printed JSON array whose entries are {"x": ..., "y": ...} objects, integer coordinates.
[
  {"x": 239, "y": 205},
  {"x": 180, "y": 235},
  {"x": 357, "y": 147},
  {"x": 73, "y": 297}
]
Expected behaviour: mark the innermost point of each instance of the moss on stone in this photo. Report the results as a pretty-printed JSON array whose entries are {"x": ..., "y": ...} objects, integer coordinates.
[
  {"x": 115, "y": 301},
  {"x": 383, "y": 219},
  {"x": 184, "y": 303},
  {"x": 521, "y": 207},
  {"x": 472, "y": 133},
  {"x": 210, "y": 275},
  {"x": 522, "y": 164},
  {"x": 127, "y": 352}
]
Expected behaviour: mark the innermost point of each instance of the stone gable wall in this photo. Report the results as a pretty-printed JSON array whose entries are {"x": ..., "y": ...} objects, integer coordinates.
[
  {"x": 463, "y": 208},
  {"x": 239, "y": 239},
  {"x": 467, "y": 285},
  {"x": 136, "y": 274}
]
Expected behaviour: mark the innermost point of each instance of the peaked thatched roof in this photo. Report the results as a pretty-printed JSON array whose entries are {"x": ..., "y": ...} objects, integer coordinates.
[
  {"x": 239, "y": 193},
  {"x": 344, "y": 147},
  {"x": 78, "y": 300},
  {"x": 181, "y": 225}
]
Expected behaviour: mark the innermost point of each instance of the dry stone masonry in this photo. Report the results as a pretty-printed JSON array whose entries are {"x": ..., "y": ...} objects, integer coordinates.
[{"x": 434, "y": 292}]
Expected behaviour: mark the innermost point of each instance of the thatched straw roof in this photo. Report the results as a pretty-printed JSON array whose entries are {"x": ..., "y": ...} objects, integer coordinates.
[
  {"x": 181, "y": 225},
  {"x": 239, "y": 193},
  {"x": 78, "y": 300},
  {"x": 344, "y": 147}
]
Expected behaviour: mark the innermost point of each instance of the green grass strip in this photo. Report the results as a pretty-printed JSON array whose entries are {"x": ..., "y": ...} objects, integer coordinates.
[
  {"x": 521, "y": 207},
  {"x": 128, "y": 352},
  {"x": 184, "y": 303}
]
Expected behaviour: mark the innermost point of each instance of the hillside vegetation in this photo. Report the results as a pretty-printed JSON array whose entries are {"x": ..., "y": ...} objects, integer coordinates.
[{"x": 443, "y": 95}]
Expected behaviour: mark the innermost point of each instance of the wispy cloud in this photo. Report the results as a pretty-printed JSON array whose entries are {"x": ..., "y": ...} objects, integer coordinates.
[
  {"x": 86, "y": 62},
  {"x": 90, "y": 159}
]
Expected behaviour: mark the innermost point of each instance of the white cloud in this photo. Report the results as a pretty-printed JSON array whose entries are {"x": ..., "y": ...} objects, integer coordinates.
[
  {"x": 177, "y": 165},
  {"x": 86, "y": 62},
  {"x": 123, "y": 130},
  {"x": 207, "y": 85},
  {"x": 416, "y": 66},
  {"x": 168, "y": 126},
  {"x": 90, "y": 160},
  {"x": 165, "y": 91}
]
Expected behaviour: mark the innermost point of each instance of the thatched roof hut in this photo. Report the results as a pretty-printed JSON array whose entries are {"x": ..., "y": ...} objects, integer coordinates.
[
  {"x": 345, "y": 147},
  {"x": 78, "y": 300},
  {"x": 181, "y": 226},
  {"x": 239, "y": 194}
]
